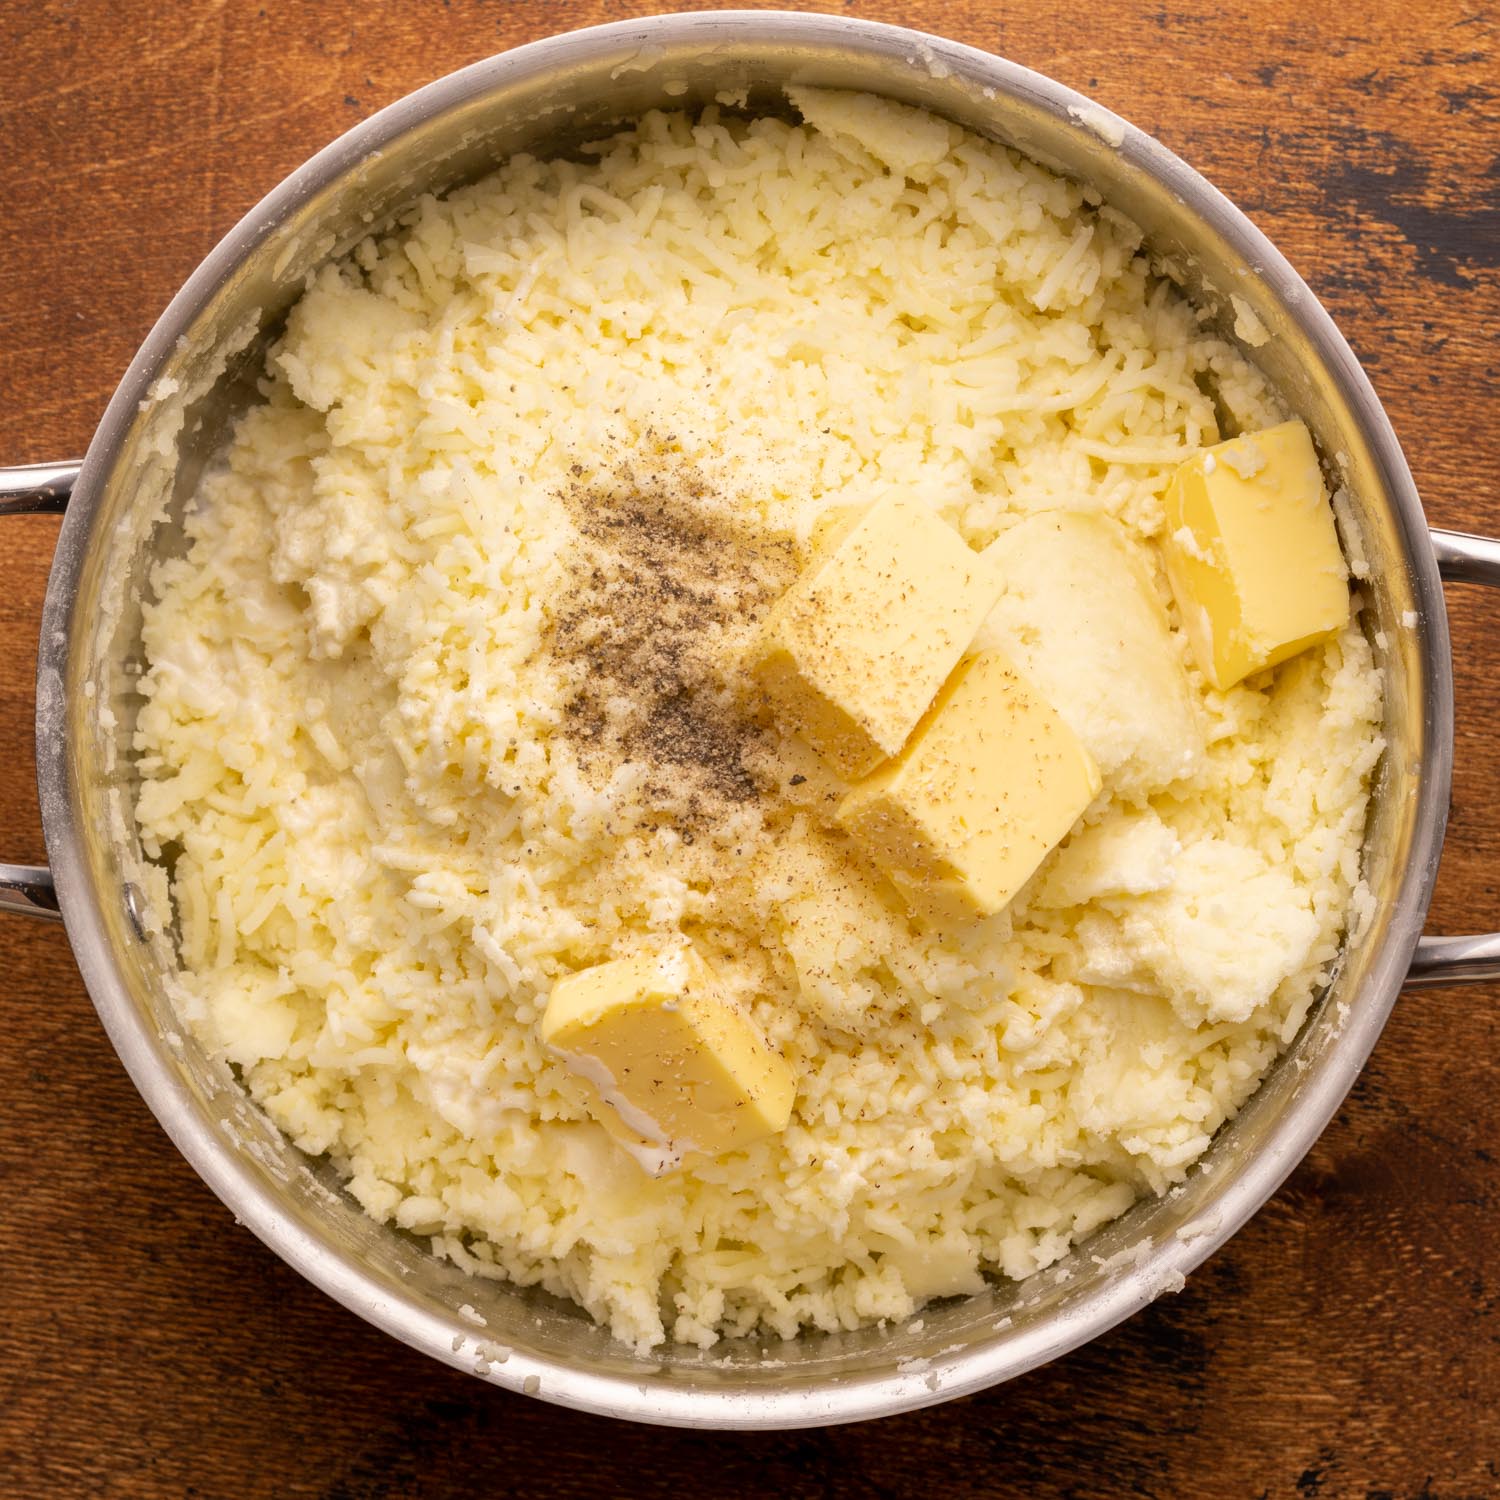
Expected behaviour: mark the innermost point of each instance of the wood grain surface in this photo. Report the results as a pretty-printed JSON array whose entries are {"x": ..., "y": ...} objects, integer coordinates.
[{"x": 1346, "y": 1343}]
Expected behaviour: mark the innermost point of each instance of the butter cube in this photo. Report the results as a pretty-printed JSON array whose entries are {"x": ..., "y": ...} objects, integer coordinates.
[
  {"x": 852, "y": 655},
  {"x": 990, "y": 782},
  {"x": 674, "y": 1068},
  {"x": 1080, "y": 617},
  {"x": 1252, "y": 553}
]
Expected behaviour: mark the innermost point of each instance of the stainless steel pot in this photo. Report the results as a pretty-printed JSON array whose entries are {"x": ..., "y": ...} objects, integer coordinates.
[{"x": 170, "y": 414}]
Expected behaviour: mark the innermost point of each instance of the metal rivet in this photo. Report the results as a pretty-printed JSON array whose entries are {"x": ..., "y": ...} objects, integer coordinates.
[{"x": 135, "y": 909}]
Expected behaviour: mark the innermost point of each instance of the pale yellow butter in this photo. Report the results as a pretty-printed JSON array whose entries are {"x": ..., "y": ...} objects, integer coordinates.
[
  {"x": 1252, "y": 553},
  {"x": 673, "y": 1067},
  {"x": 991, "y": 781},
  {"x": 852, "y": 655}
]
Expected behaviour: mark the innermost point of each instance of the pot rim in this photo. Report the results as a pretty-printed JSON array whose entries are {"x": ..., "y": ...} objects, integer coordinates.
[{"x": 399, "y": 1313}]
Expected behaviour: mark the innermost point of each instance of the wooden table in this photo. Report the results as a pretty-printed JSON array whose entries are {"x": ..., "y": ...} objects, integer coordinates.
[{"x": 1344, "y": 1344}]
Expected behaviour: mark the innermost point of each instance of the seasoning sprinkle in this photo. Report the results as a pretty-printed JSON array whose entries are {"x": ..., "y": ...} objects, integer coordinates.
[{"x": 666, "y": 583}]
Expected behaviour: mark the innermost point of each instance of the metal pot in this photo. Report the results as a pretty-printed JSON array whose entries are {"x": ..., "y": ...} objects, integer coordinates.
[{"x": 170, "y": 414}]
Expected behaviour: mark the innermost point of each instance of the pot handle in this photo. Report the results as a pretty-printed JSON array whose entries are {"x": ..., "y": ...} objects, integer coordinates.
[
  {"x": 1472, "y": 958},
  {"x": 28, "y": 889},
  {"x": 37, "y": 489},
  {"x": 33, "y": 489}
]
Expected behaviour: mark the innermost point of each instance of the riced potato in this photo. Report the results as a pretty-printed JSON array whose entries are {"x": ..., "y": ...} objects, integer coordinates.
[{"x": 448, "y": 700}]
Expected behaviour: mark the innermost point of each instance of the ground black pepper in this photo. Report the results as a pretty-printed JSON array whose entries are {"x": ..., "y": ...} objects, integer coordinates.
[{"x": 664, "y": 580}]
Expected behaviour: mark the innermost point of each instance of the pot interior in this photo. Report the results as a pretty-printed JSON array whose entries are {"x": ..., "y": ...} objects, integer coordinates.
[{"x": 171, "y": 417}]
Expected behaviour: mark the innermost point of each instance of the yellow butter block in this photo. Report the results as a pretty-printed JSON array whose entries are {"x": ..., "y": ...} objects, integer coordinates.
[
  {"x": 1252, "y": 553},
  {"x": 991, "y": 781},
  {"x": 674, "y": 1067},
  {"x": 852, "y": 655}
]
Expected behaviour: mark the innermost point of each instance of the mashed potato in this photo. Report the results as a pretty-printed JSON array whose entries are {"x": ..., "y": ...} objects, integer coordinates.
[{"x": 444, "y": 702}]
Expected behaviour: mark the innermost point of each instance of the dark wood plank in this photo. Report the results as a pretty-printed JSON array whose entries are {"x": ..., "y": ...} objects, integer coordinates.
[{"x": 1345, "y": 1344}]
